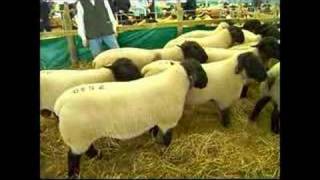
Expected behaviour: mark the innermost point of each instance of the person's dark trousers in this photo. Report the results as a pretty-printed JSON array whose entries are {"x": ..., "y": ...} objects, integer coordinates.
[{"x": 46, "y": 24}]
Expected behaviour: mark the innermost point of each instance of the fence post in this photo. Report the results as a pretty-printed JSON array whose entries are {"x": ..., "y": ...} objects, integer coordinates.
[
  {"x": 179, "y": 17},
  {"x": 67, "y": 23}
]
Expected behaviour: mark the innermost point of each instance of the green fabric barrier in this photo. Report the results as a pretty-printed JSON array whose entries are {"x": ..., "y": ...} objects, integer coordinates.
[
  {"x": 148, "y": 39},
  {"x": 54, "y": 53}
]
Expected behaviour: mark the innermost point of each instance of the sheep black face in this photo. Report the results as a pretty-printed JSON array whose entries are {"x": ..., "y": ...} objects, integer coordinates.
[
  {"x": 252, "y": 65},
  {"x": 252, "y": 25},
  {"x": 269, "y": 30},
  {"x": 268, "y": 48},
  {"x": 236, "y": 34},
  {"x": 192, "y": 49},
  {"x": 197, "y": 76},
  {"x": 124, "y": 69}
]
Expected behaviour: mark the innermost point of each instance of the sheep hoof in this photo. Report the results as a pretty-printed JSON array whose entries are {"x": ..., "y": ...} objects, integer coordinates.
[
  {"x": 225, "y": 118},
  {"x": 167, "y": 137},
  {"x": 75, "y": 176},
  {"x": 93, "y": 152},
  {"x": 225, "y": 123},
  {"x": 99, "y": 156},
  {"x": 154, "y": 131}
]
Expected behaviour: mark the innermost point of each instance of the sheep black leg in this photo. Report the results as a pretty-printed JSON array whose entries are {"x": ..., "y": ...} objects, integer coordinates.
[
  {"x": 258, "y": 107},
  {"x": 73, "y": 165},
  {"x": 244, "y": 91},
  {"x": 167, "y": 137},
  {"x": 225, "y": 117},
  {"x": 55, "y": 116},
  {"x": 275, "y": 120},
  {"x": 93, "y": 152},
  {"x": 154, "y": 131}
]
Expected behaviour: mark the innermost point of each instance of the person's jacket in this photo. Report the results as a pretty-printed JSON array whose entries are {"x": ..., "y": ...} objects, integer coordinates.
[{"x": 122, "y": 5}]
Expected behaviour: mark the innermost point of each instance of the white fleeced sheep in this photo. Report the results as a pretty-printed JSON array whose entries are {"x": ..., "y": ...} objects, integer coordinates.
[
  {"x": 204, "y": 33},
  {"x": 225, "y": 79},
  {"x": 54, "y": 82},
  {"x": 249, "y": 37},
  {"x": 224, "y": 38},
  {"x": 270, "y": 91},
  {"x": 272, "y": 88},
  {"x": 220, "y": 54},
  {"x": 125, "y": 110},
  {"x": 142, "y": 57}
]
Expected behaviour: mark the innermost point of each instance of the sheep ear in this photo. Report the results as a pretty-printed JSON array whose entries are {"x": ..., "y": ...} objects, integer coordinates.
[
  {"x": 109, "y": 66},
  {"x": 239, "y": 66},
  {"x": 238, "y": 69},
  {"x": 191, "y": 81},
  {"x": 270, "y": 82},
  {"x": 256, "y": 45}
]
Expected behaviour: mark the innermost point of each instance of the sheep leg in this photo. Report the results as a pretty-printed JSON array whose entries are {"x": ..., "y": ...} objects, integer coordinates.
[
  {"x": 275, "y": 120},
  {"x": 154, "y": 131},
  {"x": 244, "y": 91},
  {"x": 55, "y": 116},
  {"x": 258, "y": 107},
  {"x": 73, "y": 165},
  {"x": 93, "y": 152},
  {"x": 225, "y": 117},
  {"x": 167, "y": 137}
]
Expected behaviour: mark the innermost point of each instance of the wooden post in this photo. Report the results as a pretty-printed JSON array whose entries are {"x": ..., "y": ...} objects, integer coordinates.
[
  {"x": 180, "y": 17},
  {"x": 67, "y": 25}
]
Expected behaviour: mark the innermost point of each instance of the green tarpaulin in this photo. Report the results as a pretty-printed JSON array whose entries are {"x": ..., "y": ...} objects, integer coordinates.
[{"x": 54, "y": 53}]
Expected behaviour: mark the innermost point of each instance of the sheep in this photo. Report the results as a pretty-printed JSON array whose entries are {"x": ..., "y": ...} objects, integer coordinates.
[
  {"x": 268, "y": 48},
  {"x": 270, "y": 91},
  {"x": 204, "y": 33},
  {"x": 224, "y": 38},
  {"x": 252, "y": 25},
  {"x": 225, "y": 80},
  {"x": 249, "y": 37},
  {"x": 268, "y": 29},
  {"x": 265, "y": 30},
  {"x": 141, "y": 57},
  {"x": 54, "y": 82},
  {"x": 124, "y": 110}
]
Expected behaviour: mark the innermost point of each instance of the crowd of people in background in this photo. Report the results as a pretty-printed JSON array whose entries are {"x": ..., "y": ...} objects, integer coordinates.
[{"x": 96, "y": 20}]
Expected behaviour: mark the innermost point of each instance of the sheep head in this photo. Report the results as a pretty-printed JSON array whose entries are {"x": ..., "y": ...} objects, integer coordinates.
[
  {"x": 252, "y": 66},
  {"x": 268, "y": 47},
  {"x": 124, "y": 69},
  {"x": 192, "y": 49},
  {"x": 196, "y": 74},
  {"x": 236, "y": 34},
  {"x": 252, "y": 25}
]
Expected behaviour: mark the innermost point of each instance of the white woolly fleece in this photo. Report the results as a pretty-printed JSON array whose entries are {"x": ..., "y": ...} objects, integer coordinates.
[
  {"x": 221, "y": 39},
  {"x": 121, "y": 110},
  {"x": 219, "y": 54},
  {"x": 140, "y": 57},
  {"x": 224, "y": 86},
  {"x": 274, "y": 91},
  {"x": 54, "y": 82}
]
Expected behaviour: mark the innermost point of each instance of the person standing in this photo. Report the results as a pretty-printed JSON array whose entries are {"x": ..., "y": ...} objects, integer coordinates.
[
  {"x": 151, "y": 15},
  {"x": 122, "y": 7},
  {"x": 44, "y": 16},
  {"x": 96, "y": 25}
]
